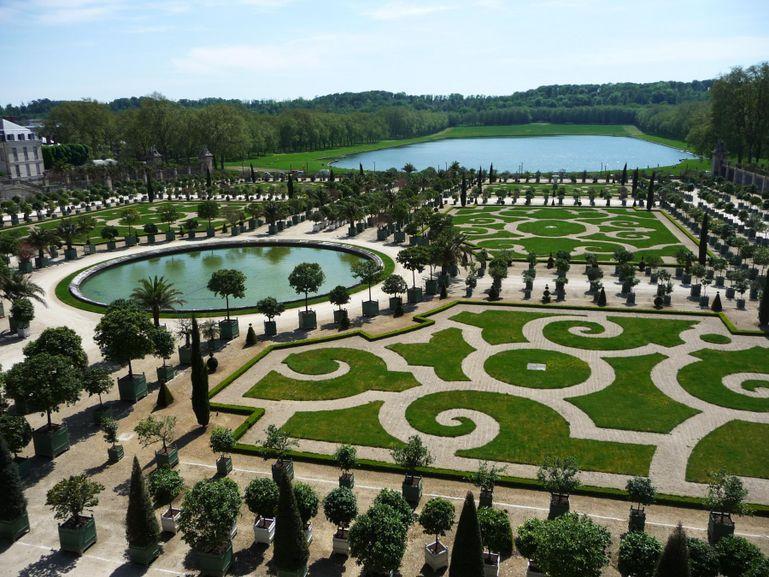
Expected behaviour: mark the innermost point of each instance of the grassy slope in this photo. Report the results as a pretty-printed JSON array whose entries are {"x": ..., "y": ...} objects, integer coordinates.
[{"x": 315, "y": 160}]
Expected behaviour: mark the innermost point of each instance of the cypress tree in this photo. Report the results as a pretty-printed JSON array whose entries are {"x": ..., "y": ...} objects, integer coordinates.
[
  {"x": 650, "y": 194},
  {"x": 763, "y": 308},
  {"x": 602, "y": 298},
  {"x": 290, "y": 186},
  {"x": 463, "y": 194},
  {"x": 717, "y": 306},
  {"x": 623, "y": 179},
  {"x": 199, "y": 379},
  {"x": 360, "y": 168},
  {"x": 150, "y": 188},
  {"x": 291, "y": 552},
  {"x": 467, "y": 554},
  {"x": 703, "y": 255},
  {"x": 253, "y": 174},
  {"x": 141, "y": 525},
  {"x": 674, "y": 561},
  {"x": 208, "y": 177},
  {"x": 13, "y": 504},
  {"x": 635, "y": 183},
  {"x": 491, "y": 172},
  {"x": 165, "y": 398},
  {"x": 331, "y": 175}
]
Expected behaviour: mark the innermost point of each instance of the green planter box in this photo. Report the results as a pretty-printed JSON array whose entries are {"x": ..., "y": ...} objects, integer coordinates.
[
  {"x": 486, "y": 498},
  {"x": 115, "y": 453},
  {"x": 132, "y": 387},
  {"x": 111, "y": 245},
  {"x": 78, "y": 539},
  {"x": 70, "y": 254},
  {"x": 51, "y": 442},
  {"x": 15, "y": 528},
  {"x": 559, "y": 506},
  {"x": 270, "y": 328},
  {"x": 223, "y": 466},
  {"x": 167, "y": 459},
  {"x": 210, "y": 233},
  {"x": 347, "y": 480},
  {"x": 165, "y": 373},
  {"x": 370, "y": 308},
  {"x": 307, "y": 320},
  {"x": 411, "y": 488},
  {"x": 144, "y": 555},
  {"x": 720, "y": 525},
  {"x": 25, "y": 266},
  {"x": 24, "y": 465},
  {"x": 131, "y": 241},
  {"x": 339, "y": 316},
  {"x": 170, "y": 236},
  {"x": 229, "y": 329},
  {"x": 395, "y": 302},
  {"x": 637, "y": 520},
  {"x": 414, "y": 295},
  {"x": 400, "y": 236},
  {"x": 213, "y": 564},
  {"x": 431, "y": 286}
]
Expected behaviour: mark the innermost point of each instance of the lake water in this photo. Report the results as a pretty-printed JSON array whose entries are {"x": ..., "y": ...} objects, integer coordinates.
[
  {"x": 544, "y": 153},
  {"x": 266, "y": 270}
]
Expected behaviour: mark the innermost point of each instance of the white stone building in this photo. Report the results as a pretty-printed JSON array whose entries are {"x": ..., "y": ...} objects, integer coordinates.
[{"x": 21, "y": 154}]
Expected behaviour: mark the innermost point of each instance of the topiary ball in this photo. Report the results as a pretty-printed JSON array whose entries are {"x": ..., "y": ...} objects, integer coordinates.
[{"x": 212, "y": 364}]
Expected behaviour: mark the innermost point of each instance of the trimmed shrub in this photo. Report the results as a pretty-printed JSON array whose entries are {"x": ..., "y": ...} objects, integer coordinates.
[
  {"x": 142, "y": 528},
  {"x": 467, "y": 554},
  {"x": 638, "y": 555}
]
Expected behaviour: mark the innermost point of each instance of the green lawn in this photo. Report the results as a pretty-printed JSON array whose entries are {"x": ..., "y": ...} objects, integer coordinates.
[
  {"x": 499, "y": 326},
  {"x": 355, "y": 426},
  {"x": 636, "y": 332},
  {"x": 738, "y": 447},
  {"x": 703, "y": 378},
  {"x": 367, "y": 372},
  {"x": 512, "y": 367},
  {"x": 632, "y": 402},
  {"x": 529, "y": 432},
  {"x": 316, "y": 160},
  {"x": 716, "y": 339},
  {"x": 445, "y": 353}
]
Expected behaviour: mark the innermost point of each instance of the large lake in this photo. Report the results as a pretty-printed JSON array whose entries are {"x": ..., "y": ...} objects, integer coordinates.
[{"x": 545, "y": 153}]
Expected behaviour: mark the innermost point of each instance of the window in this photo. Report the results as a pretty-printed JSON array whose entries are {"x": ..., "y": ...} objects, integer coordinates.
[
  {"x": 15, "y": 154},
  {"x": 31, "y": 136},
  {"x": 26, "y": 153},
  {"x": 9, "y": 136},
  {"x": 35, "y": 151},
  {"x": 18, "y": 171}
]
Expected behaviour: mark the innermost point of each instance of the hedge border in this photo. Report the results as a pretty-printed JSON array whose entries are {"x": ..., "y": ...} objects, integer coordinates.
[{"x": 421, "y": 321}]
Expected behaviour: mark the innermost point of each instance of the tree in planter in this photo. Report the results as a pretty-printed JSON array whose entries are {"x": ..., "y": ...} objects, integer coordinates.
[
  {"x": 261, "y": 498},
  {"x": 395, "y": 500},
  {"x": 638, "y": 554},
  {"x": 155, "y": 294},
  {"x": 339, "y": 295},
  {"x": 411, "y": 456},
  {"x": 436, "y": 518},
  {"x": 97, "y": 381},
  {"x": 199, "y": 376},
  {"x": 168, "y": 214},
  {"x": 763, "y": 307},
  {"x": 378, "y": 540},
  {"x": 16, "y": 432},
  {"x": 307, "y": 277},
  {"x": 496, "y": 533},
  {"x": 394, "y": 285},
  {"x": 368, "y": 272},
  {"x": 270, "y": 308},
  {"x": 526, "y": 537},
  {"x": 13, "y": 505},
  {"x": 164, "y": 348},
  {"x": 640, "y": 491},
  {"x": 130, "y": 216},
  {"x": 703, "y": 559},
  {"x": 209, "y": 511},
  {"x": 151, "y": 430},
  {"x": 69, "y": 497},
  {"x": 575, "y": 538},
  {"x": 61, "y": 341},
  {"x": 222, "y": 441},
  {"x": 558, "y": 476},
  {"x": 109, "y": 429},
  {"x": 736, "y": 555},
  {"x": 43, "y": 383},
  {"x": 485, "y": 478},
  {"x": 674, "y": 561},
  {"x": 291, "y": 550},
  {"x": 726, "y": 495},
  {"x": 467, "y": 554},
  {"x": 165, "y": 485},
  {"x": 307, "y": 502},
  {"x": 228, "y": 283},
  {"x": 208, "y": 210},
  {"x": 22, "y": 312},
  {"x": 277, "y": 444},
  {"x": 414, "y": 259},
  {"x": 142, "y": 529},
  {"x": 340, "y": 508},
  {"x": 346, "y": 458}
]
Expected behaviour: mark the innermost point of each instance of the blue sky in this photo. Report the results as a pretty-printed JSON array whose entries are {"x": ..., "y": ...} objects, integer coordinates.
[{"x": 253, "y": 49}]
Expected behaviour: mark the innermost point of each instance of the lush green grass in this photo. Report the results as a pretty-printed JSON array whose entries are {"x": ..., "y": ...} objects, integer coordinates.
[
  {"x": 356, "y": 426},
  {"x": 445, "y": 353},
  {"x": 632, "y": 402},
  {"x": 316, "y": 160},
  {"x": 739, "y": 447},
  {"x": 529, "y": 432},
  {"x": 551, "y": 227},
  {"x": 499, "y": 326},
  {"x": 703, "y": 379},
  {"x": 716, "y": 339},
  {"x": 367, "y": 372},
  {"x": 562, "y": 370},
  {"x": 636, "y": 332}
]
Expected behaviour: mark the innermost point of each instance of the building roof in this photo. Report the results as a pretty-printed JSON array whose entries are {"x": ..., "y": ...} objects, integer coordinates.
[{"x": 8, "y": 126}]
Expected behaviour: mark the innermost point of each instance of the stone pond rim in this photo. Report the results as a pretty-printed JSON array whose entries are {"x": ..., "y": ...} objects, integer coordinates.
[{"x": 74, "y": 286}]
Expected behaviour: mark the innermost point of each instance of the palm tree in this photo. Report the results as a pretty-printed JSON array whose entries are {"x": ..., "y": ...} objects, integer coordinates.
[
  {"x": 15, "y": 285},
  {"x": 451, "y": 248},
  {"x": 41, "y": 239},
  {"x": 157, "y": 293}
]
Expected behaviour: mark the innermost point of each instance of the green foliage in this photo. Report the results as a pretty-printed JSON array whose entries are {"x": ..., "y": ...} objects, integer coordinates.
[
  {"x": 368, "y": 272},
  {"x": 726, "y": 493},
  {"x": 69, "y": 497},
  {"x": 307, "y": 277},
  {"x": 199, "y": 376},
  {"x": 13, "y": 504},
  {"x": 278, "y": 442},
  {"x": 339, "y": 295},
  {"x": 638, "y": 554},
  {"x": 123, "y": 334},
  {"x": 467, "y": 554},
  {"x": 674, "y": 561},
  {"x": 221, "y": 440},
  {"x": 15, "y": 431},
  {"x": 151, "y": 430},
  {"x": 641, "y": 490},
  {"x": 572, "y": 546},
  {"x": 340, "y": 507},
  {"x": 208, "y": 209},
  {"x": 437, "y": 517},
  {"x": 142, "y": 527},
  {"x": 97, "y": 381},
  {"x": 412, "y": 455},
  {"x": 165, "y": 398},
  {"x": 250, "y": 336},
  {"x": 208, "y": 512},
  {"x": 378, "y": 540},
  {"x": 109, "y": 429},
  {"x": 228, "y": 283},
  {"x": 394, "y": 285},
  {"x": 165, "y": 485},
  {"x": 703, "y": 559},
  {"x": 306, "y": 501},
  {"x": 496, "y": 532},
  {"x": 270, "y": 307},
  {"x": 444, "y": 352},
  {"x": 345, "y": 457},
  {"x": 486, "y": 476},
  {"x": 64, "y": 154},
  {"x": 736, "y": 555},
  {"x": 397, "y": 503},
  {"x": 290, "y": 550},
  {"x": 164, "y": 343},
  {"x": 558, "y": 475},
  {"x": 261, "y": 497},
  {"x": 61, "y": 341},
  {"x": 22, "y": 311},
  {"x": 526, "y": 537}
]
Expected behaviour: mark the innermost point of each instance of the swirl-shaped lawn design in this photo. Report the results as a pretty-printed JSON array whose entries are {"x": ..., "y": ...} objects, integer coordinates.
[
  {"x": 634, "y": 332},
  {"x": 537, "y": 369}
]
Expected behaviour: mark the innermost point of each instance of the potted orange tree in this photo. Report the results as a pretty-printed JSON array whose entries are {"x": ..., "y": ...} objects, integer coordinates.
[
  {"x": 222, "y": 442},
  {"x": 436, "y": 518},
  {"x": 261, "y": 498},
  {"x": 411, "y": 456},
  {"x": 340, "y": 508},
  {"x": 151, "y": 430},
  {"x": 68, "y": 498},
  {"x": 165, "y": 485}
]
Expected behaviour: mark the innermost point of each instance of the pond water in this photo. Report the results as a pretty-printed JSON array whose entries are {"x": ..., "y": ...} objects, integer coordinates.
[
  {"x": 545, "y": 153},
  {"x": 266, "y": 269}
]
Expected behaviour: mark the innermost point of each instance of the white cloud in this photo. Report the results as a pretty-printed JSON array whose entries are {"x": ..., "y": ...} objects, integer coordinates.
[
  {"x": 251, "y": 57},
  {"x": 398, "y": 9}
]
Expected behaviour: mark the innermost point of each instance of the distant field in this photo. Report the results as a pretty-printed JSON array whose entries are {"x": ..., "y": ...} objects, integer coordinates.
[{"x": 315, "y": 160}]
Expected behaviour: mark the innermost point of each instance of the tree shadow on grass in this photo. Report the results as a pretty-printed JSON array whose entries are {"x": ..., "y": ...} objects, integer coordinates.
[{"x": 52, "y": 564}]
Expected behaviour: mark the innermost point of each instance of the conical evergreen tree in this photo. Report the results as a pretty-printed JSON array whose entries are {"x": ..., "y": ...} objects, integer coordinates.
[
  {"x": 674, "y": 561},
  {"x": 165, "y": 398},
  {"x": 360, "y": 168},
  {"x": 602, "y": 298},
  {"x": 467, "y": 554},
  {"x": 763, "y": 308},
  {"x": 199, "y": 379},
  {"x": 703, "y": 254},
  {"x": 13, "y": 504},
  {"x": 634, "y": 190},
  {"x": 250, "y": 336},
  {"x": 623, "y": 179},
  {"x": 141, "y": 525},
  {"x": 208, "y": 176},
  {"x": 253, "y": 174},
  {"x": 717, "y": 307},
  {"x": 463, "y": 193},
  {"x": 290, "y": 186},
  {"x": 650, "y": 194},
  {"x": 291, "y": 552}
]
